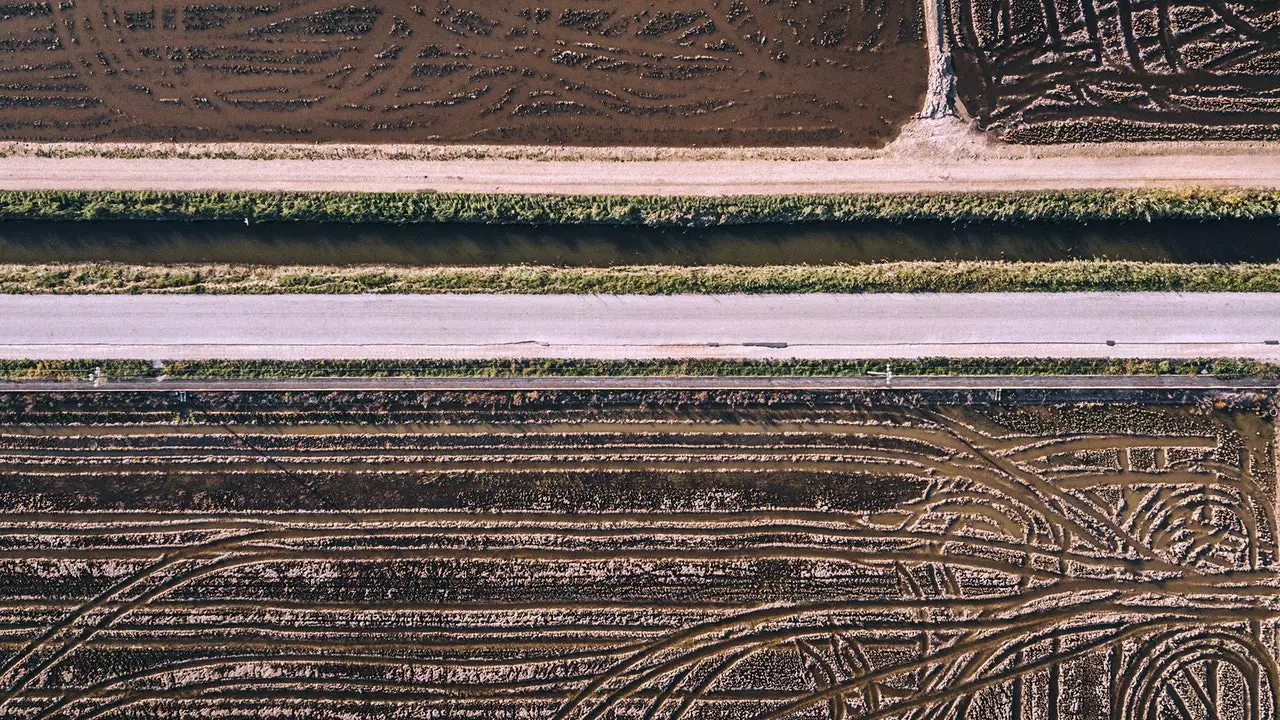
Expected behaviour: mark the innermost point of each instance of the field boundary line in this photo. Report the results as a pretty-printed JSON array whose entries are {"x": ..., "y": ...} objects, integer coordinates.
[{"x": 897, "y": 382}]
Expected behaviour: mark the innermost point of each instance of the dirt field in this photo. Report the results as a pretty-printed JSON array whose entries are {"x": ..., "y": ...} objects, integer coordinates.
[
  {"x": 584, "y": 72},
  {"x": 635, "y": 555},
  {"x": 1091, "y": 70}
]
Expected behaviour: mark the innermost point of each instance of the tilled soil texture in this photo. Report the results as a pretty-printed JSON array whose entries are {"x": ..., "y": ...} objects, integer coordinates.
[
  {"x": 635, "y": 555},
  {"x": 585, "y": 72},
  {"x": 1096, "y": 70}
]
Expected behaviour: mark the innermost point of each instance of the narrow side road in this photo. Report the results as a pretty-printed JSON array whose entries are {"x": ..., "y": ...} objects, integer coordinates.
[{"x": 1183, "y": 168}]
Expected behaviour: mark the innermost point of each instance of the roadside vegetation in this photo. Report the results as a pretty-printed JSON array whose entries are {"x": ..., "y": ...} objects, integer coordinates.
[
  {"x": 69, "y": 370},
  {"x": 916, "y": 276},
  {"x": 428, "y": 207}
]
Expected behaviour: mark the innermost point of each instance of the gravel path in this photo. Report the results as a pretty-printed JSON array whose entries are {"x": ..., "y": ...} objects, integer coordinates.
[
  {"x": 673, "y": 177},
  {"x": 930, "y": 156}
]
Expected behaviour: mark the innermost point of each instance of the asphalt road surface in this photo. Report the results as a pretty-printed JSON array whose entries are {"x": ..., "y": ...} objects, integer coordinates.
[{"x": 592, "y": 326}]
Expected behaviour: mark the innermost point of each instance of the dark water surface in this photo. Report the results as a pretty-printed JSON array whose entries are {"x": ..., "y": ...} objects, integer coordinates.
[{"x": 457, "y": 244}]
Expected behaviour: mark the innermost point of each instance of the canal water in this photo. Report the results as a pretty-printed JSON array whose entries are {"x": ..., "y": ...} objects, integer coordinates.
[{"x": 457, "y": 244}]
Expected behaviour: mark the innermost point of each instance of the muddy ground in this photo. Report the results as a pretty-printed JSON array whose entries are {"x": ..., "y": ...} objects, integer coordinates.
[
  {"x": 716, "y": 555},
  {"x": 1105, "y": 70},
  {"x": 583, "y": 72}
]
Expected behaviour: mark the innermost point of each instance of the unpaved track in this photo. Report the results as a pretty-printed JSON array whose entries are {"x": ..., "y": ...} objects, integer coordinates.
[
  {"x": 668, "y": 177},
  {"x": 941, "y": 155},
  {"x": 681, "y": 326}
]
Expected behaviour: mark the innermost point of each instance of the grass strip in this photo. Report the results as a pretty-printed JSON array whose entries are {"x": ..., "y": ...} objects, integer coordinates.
[
  {"x": 908, "y": 277},
  {"x": 429, "y": 207},
  {"x": 64, "y": 370}
]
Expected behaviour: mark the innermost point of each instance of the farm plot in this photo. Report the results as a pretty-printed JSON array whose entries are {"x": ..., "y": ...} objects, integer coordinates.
[
  {"x": 1093, "y": 70},
  {"x": 598, "y": 72},
  {"x": 633, "y": 555}
]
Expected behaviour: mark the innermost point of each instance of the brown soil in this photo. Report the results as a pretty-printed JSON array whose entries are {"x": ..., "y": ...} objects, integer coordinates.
[
  {"x": 583, "y": 72},
  {"x": 1102, "y": 70},
  {"x": 634, "y": 555}
]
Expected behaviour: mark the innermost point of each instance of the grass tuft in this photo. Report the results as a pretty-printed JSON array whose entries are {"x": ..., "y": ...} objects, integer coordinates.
[
  {"x": 63, "y": 370},
  {"x": 431, "y": 207},
  {"x": 907, "y": 277}
]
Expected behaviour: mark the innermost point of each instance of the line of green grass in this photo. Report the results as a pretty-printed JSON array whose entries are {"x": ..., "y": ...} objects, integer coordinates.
[
  {"x": 954, "y": 276},
  {"x": 428, "y": 207},
  {"x": 66, "y": 370}
]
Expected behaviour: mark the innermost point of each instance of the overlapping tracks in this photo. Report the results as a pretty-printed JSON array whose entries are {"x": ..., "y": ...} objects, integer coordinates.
[
  {"x": 643, "y": 562},
  {"x": 1119, "y": 69},
  {"x": 586, "y": 73}
]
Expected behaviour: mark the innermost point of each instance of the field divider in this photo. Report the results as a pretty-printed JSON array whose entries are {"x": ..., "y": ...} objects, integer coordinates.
[{"x": 640, "y": 383}]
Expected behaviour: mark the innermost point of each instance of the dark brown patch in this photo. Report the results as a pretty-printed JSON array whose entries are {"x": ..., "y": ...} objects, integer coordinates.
[
  {"x": 1095, "y": 70},
  {"x": 588, "y": 72}
]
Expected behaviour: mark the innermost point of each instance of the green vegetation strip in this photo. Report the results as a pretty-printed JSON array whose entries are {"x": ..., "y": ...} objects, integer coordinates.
[
  {"x": 426, "y": 207},
  {"x": 63, "y": 370},
  {"x": 958, "y": 276}
]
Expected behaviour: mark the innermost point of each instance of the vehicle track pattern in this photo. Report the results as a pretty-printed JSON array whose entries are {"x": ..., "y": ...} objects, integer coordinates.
[
  {"x": 540, "y": 556},
  {"x": 1100, "y": 70},
  {"x": 597, "y": 72}
]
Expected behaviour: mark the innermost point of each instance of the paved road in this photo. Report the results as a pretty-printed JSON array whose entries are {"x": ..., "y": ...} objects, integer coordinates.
[
  {"x": 770, "y": 326},
  {"x": 897, "y": 382},
  {"x": 667, "y": 177}
]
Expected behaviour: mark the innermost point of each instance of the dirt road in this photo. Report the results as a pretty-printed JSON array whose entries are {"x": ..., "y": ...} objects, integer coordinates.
[
  {"x": 930, "y": 156},
  {"x": 674, "y": 177}
]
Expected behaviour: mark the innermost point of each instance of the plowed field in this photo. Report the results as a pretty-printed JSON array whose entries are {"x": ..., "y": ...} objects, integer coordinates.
[
  {"x": 634, "y": 555},
  {"x": 615, "y": 72},
  {"x": 1093, "y": 70}
]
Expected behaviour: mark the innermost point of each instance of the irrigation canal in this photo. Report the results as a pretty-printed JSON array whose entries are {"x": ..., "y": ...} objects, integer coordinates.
[{"x": 590, "y": 246}]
